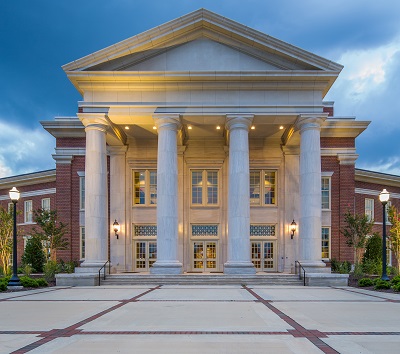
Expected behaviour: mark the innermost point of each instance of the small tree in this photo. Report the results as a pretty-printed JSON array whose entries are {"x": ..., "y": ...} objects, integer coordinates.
[
  {"x": 34, "y": 254},
  {"x": 52, "y": 232},
  {"x": 394, "y": 234},
  {"x": 357, "y": 228},
  {"x": 6, "y": 239}
]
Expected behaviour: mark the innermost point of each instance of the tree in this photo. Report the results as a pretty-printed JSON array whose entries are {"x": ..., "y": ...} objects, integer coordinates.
[
  {"x": 357, "y": 228},
  {"x": 394, "y": 234},
  {"x": 52, "y": 232},
  {"x": 34, "y": 254},
  {"x": 6, "y": 239}
]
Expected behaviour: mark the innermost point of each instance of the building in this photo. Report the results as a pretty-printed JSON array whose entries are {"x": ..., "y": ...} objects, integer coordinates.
[{"x": 206, "y": 141}]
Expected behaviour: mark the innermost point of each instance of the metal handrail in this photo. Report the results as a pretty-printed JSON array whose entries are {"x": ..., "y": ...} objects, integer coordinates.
[
  {"x": 304, "y": 271},
  {"x": 104, "y": 274}
]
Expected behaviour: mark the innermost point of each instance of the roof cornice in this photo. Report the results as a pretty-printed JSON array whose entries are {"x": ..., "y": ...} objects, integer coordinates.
[
  {"x": 28, "y": 179},
  {"x": 377, "y": 178}
]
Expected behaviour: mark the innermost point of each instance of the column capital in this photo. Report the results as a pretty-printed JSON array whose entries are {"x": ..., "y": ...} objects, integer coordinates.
[
  {"x": 238, "y": 121},
  {"x": 167, "y": 121},
  {"x": 117, "y": 150},
  {"x": 94, "y": 121},
  {"x": 310, "y": 121},
  {"x": 347, "y": 159}
]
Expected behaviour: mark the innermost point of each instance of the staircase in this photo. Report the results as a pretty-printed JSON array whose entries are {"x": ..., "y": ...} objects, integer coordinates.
[{"x": 202, "y": 279}]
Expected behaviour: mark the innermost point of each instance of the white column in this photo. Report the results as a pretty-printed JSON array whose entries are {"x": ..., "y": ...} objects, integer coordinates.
[
  {"x": 118, "y": 246},
  {"x": 239, "y": 258},
  {"x": 310, "y": 192},
  {"x": 167, "y": 196},
  {"x": 96, "y": 193}
]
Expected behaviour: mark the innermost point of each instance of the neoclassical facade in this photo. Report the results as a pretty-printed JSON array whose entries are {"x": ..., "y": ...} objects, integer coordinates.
[{"x": 206, "y": 141}]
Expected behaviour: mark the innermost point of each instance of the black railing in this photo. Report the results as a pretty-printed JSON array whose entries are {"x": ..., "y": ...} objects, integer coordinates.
[
  {"x": 304, "y": 271},
  {"x": 104, "y": 272}
]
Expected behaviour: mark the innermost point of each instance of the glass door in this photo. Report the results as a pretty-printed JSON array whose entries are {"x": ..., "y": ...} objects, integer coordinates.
[
  {"x": 145, "y": 255},
  {"x": 263, "y": 255},
  {"x": 204, "y": 256}
]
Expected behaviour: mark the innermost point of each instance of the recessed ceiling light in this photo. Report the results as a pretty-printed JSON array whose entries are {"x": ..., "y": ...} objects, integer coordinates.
[
  {"x": 253, "y": 127},
  {"x": 218, "y": 127},
  {"x": 154, "y": 127},
  {"x": 281, "y": 127},
  {"x": 126, "y": 127},
  {"x": 189, "y": 127}
]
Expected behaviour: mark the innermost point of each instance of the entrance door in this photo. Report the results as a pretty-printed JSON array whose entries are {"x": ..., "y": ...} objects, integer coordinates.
[
  {"x": 145, "y": 255},
  {"x": 263, "y": 255},
  {"x": 204, "y": 256}
]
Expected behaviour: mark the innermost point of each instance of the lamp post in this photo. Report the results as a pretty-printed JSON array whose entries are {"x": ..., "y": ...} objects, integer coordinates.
[
  {"x": 14, "y": 282},
  {"x": 384, "y": 198}
]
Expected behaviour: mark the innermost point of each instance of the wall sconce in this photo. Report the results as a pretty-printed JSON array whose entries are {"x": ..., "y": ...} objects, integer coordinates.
[
  {"x": 116, "y": 228},
  {"x": 293, "y": 228}
]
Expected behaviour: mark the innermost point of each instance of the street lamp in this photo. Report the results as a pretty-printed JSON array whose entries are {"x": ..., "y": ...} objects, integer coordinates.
[
  {"x": 14, "y": 282},
  {"x": 384, "y": 198}
]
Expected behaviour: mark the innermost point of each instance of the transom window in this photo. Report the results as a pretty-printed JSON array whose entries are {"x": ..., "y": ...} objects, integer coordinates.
[
  {"x": 325, "y": 243},
  {"x": 262, "y": 230},
  {"x": 204, "y": 187},
  {"x": 145, "y": 187},
  {"x": 205, "y": 230},
  {"x": 325, "y": 193},
  {"x": 262, "y": 187}
]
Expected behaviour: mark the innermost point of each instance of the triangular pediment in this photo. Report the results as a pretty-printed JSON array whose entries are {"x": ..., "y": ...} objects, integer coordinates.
[{"x": 192, "y": 37}]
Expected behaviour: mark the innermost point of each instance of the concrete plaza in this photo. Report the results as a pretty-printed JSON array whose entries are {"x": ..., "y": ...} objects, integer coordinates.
[{"x": 199, "y": 319}]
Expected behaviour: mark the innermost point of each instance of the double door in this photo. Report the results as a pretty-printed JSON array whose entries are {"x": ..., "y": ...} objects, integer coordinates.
[
  {"x": 263, "y": 255},
  {"x": 204, "y": 256},
  {"x": 145, "y": 255}
]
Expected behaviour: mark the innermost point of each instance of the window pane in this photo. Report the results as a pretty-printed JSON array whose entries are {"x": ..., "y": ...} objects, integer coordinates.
[
  {"x": 153, "y": 187},
  {"x": 369, "y": 208},
  {"x": 269, "y": 187},
  {"x": 325, "y": 193},
  {"x": 212, "y": 187},
  {"x": 139, "y": 187},
  {"x": 46, "y": 203},
  {"x": 28, "y": 211},
  {"x": 255, "y": 187},
  {"x": 325, "y": 242},
  {"x": 82, "y": 242},
  {"x": 82, "y": 192},
  {"x": 197, "y": 187}
]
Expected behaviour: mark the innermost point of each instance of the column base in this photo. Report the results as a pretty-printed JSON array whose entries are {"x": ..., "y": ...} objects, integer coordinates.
[
  {"x": 173, "y": 267},
  {"x": 315, "y": 267},
  {"x": 239, "y": 268}
]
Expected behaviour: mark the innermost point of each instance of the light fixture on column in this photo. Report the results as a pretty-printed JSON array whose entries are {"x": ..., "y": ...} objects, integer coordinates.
[
  {"x": 293, "y": 228},
  {"x": 14, "y": 282},
  {"x": 384, "y": 198},
  {"x": 116, "y": 228}
]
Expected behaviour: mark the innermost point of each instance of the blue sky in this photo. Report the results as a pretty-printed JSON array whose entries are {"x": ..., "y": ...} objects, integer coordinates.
[{"x": 38, "y": 37}]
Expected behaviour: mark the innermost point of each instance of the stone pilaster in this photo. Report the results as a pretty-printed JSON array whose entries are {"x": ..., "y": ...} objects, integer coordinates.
[
  {"x": 310, "y": 192},
  {"x": 239, "y": 261},
  {"x": 96, "y": 195},
  {"x": 167, "y": 195}
]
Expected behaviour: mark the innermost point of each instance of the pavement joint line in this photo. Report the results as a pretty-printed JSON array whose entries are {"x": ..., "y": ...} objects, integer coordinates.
[
  {"x": 314, "y": 336},
  {"x": 367, "y": 294},
  {"x": 56, "y": 333},
  {"x": 39, "y": 292}
]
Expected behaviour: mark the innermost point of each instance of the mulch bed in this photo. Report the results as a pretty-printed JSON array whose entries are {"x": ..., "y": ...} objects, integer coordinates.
[{"x": 353, "y": 282}]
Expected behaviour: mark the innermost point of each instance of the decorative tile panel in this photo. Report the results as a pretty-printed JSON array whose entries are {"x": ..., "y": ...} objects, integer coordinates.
[
  {"x": 204, "y": 230},
  {"x": 262, "y": 230},
  {"x": 145, "y": 230}
]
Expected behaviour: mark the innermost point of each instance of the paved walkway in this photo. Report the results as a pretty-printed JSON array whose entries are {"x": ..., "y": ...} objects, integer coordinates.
[{"x": 199, "y": 319}]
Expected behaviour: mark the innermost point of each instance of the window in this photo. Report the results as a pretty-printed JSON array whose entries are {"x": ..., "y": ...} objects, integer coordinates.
[
  {"x": 262, "y": 187},
  {"x": 325, "y": 193},
  {"x": 82, "y": 193},
  {"x": 204, "y": 187},
  {"x": 145, "y": 187},
  {"x": 369, "y": 208},
  {"x": 10, "y": 207},
  {"x": 28, "y": 211},
  {"x": 325, "y": 243},
  {"x": 388, "y": 253},
  {"x": 46, "y": 203},
  {"x": 82, "y": 243},
  {"x": 388, "y": 205}
]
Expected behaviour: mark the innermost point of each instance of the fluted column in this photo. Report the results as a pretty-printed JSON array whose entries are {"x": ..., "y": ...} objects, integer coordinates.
[
  {"x": 167, "y": 196},
  {"x": 239, "y": 258},
  {"x": 310, "y": 192},
  {"x": 96, "y": 196}
]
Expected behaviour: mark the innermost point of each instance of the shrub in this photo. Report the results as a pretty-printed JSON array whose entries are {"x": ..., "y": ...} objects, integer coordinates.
[
  {"x": 50, "y": 270},
  {"x": 365, "y": 282},
  {"x": 66, "y": 267},
  {"x": 42, "y": 282},
  {"x": 382, "y": 284},
  {"x": 396, "y": 280},
  {"x": 4, "y": 283},
  {"x": 372, "y": 266},
  {"x": 340, "y": 267},
  {"x": 27, "y": 269},
  {"x": 373, "y": 248},
  {"x": 396, "y": 287},
  {"x": 28, "y": 282},
  {"x": 34, "y": 254}
]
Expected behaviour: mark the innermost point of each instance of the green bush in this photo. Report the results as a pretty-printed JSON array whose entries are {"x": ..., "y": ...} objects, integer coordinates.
[
  {"x": 42, "y": 282},
  {"x": 391, "y": 270},
  {"x": 382, "y": 284},
  {"x": 4, "y": 283},
  {"x": 27, "y": 269},
  {"x": 28, "y": 282},
  {"x": 372, "y": 266},
  {"x": 396, "y": 287},
  {"x": 340, "y": 267},
  {"x": 34, "y": 254},
  {"x": 66, "y": 267},
  {"x": 365, "y": 282},
  {"x": 395, "y": 280},
  {"x": 50, "y": 270},
  {"x": 373, "y": 249}
]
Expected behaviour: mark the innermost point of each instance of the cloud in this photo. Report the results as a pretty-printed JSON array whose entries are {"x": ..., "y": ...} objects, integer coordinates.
[{"x": 24, "y": 150}]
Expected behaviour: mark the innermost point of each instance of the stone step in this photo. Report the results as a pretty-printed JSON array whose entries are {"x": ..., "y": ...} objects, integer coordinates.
[{"x": 201, "y": 279}]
